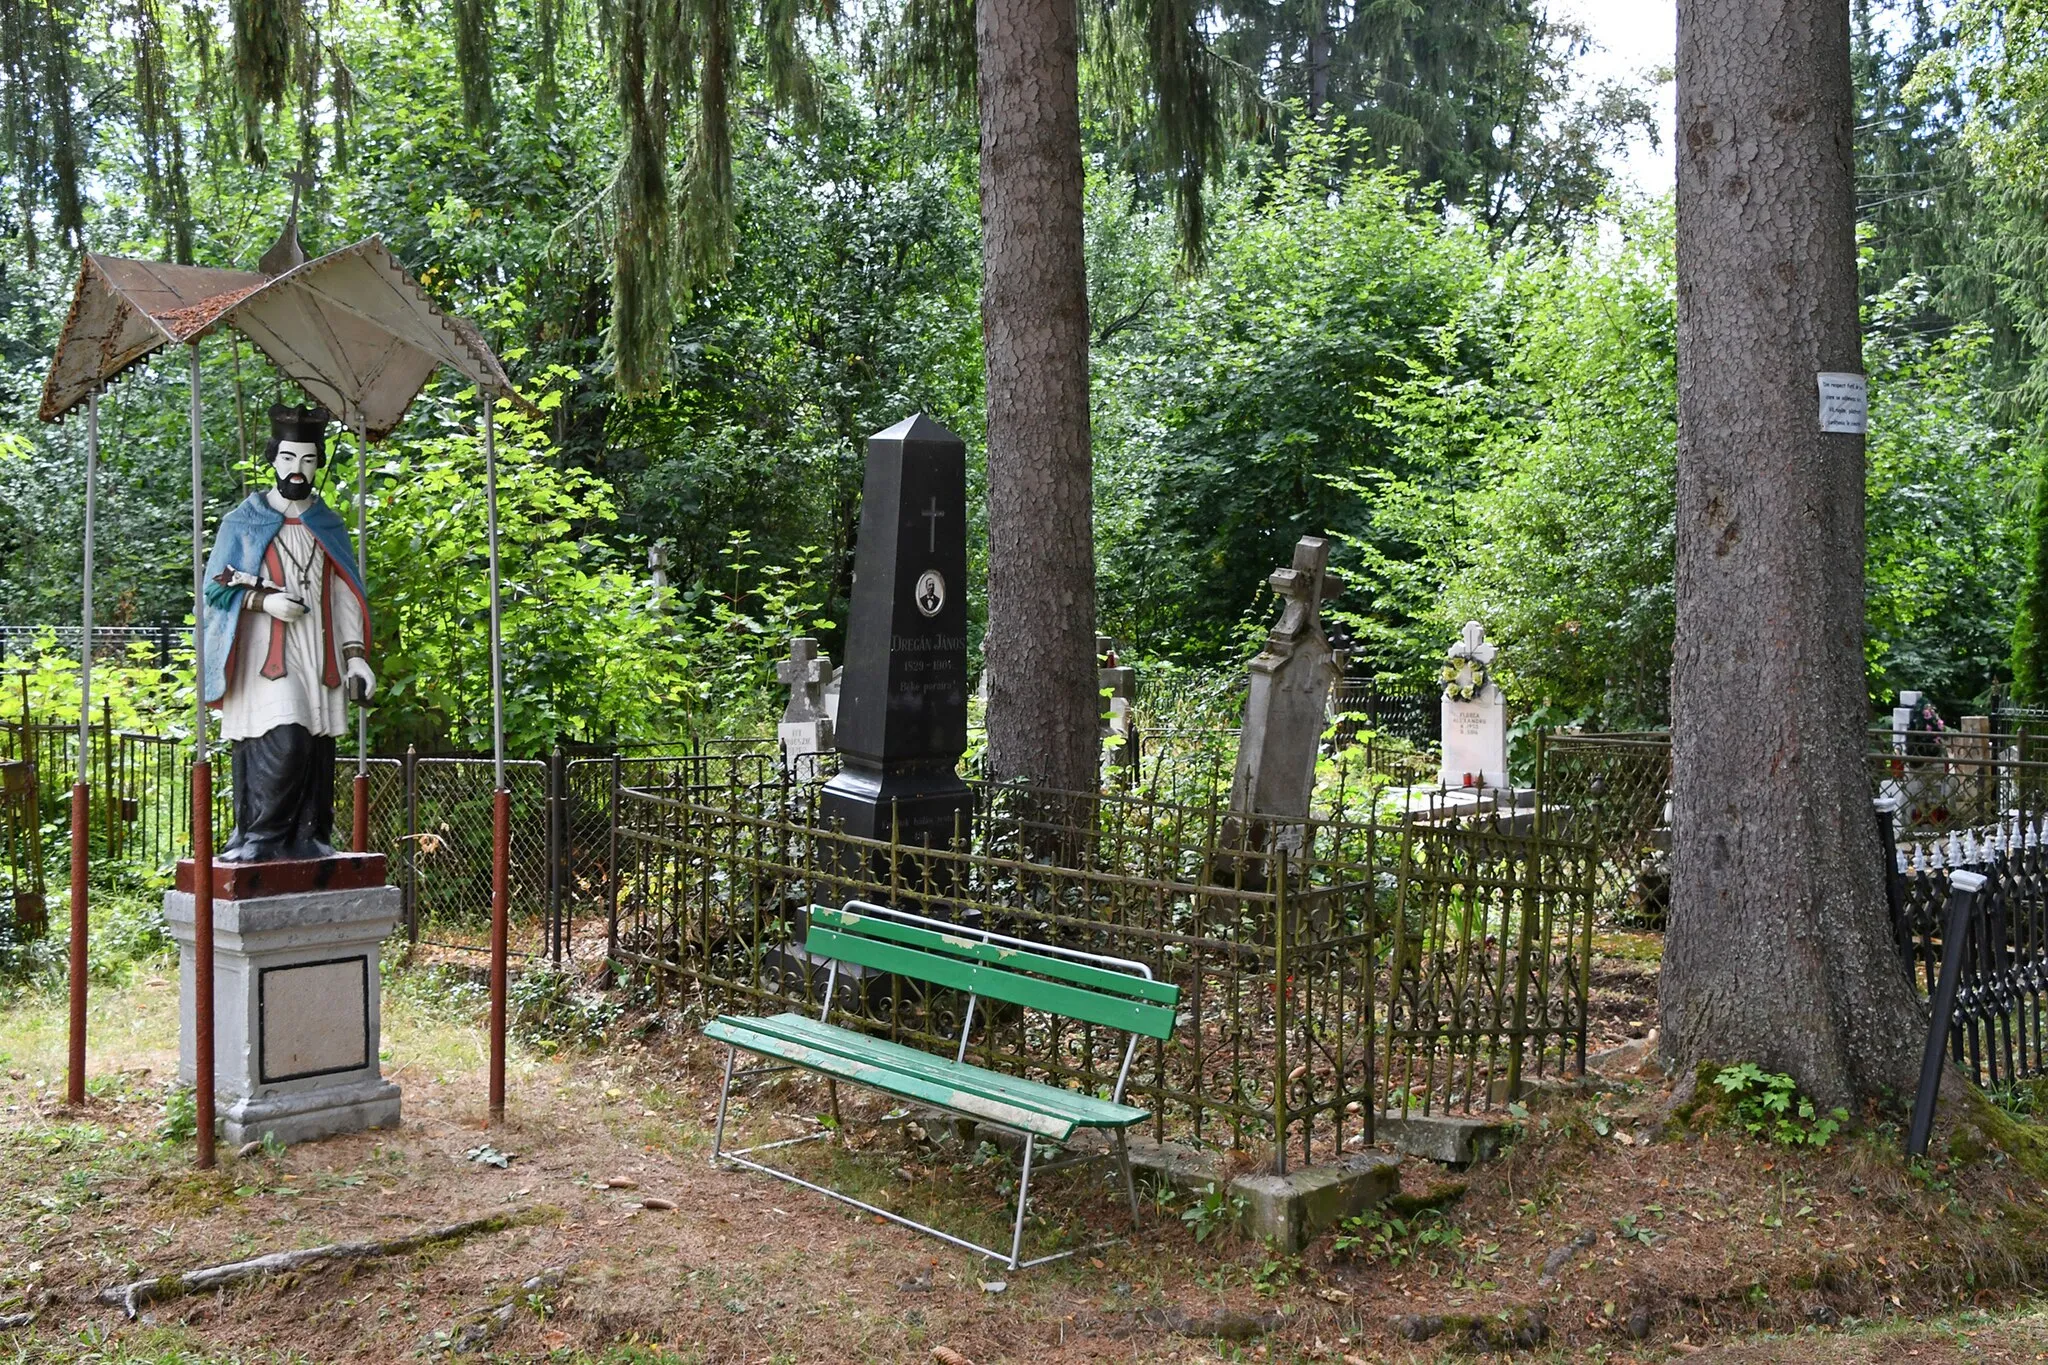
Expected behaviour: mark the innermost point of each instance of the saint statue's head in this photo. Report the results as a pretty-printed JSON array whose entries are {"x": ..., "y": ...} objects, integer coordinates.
[{"x": 298, "y": 447}]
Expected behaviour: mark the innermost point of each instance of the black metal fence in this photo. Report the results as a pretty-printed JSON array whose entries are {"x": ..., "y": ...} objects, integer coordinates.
[
  {"x": 1363, "y": 704},
  {"x": 1467, "y": 941},
  {"x": 108, "y": 642}
]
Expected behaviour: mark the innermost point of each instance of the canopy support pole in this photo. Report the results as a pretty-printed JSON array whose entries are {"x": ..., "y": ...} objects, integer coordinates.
[
  {"x": 360, "y": 808},
  {"x": 501, "y": 797},
  {"x": 202, "y": 807},
  {"x": 81, "y": 804}
]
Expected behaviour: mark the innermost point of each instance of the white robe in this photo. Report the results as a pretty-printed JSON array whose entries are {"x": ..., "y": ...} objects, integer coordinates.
[{"x": 256, "y": 705}]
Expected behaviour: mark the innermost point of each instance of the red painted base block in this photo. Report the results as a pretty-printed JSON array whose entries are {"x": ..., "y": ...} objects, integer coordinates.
[{"x": 246, "y": 881}]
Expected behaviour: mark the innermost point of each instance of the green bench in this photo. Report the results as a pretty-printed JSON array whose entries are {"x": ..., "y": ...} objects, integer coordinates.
[{"x": 1104, "y": 991}]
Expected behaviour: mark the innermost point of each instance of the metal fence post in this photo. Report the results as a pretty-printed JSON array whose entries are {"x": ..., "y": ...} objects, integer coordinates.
[
  {"x": 412, "y": 843},
  {"x": 1963, "y": 889},
  {"x": 1281, "y": 986},
  {"x": 107, "y": 789},
  {"x": 611, "y": 873},
  {"x": 558, "y": 840}
]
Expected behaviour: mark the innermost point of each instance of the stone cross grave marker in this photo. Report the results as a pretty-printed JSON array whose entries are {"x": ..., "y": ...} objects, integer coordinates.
[
  {"x": 1475, "y": 715},
  {"x": 1287, "y": 707},
  {"x": 902, "y": 719},
  {"x": 1119, "y": 683},
  {"x": 805, "y": 731}
]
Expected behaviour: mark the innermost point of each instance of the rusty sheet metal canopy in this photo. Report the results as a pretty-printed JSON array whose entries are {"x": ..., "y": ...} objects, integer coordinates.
[
  {"x": 122, "y": 311},
  {"x": 360, "y": 336},
  {"x": 352, "y": 329}
]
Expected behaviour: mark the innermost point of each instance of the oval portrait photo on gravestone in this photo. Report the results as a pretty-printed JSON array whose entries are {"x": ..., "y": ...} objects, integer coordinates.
[{"x": 931, "y": 592}]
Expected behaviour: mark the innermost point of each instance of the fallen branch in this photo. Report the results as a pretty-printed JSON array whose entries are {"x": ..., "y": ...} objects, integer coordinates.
[{"x": 131, "y": 1297}]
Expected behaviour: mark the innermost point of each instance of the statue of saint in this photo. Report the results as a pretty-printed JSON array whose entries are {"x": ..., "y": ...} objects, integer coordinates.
[{"x": 287, "y": 628}]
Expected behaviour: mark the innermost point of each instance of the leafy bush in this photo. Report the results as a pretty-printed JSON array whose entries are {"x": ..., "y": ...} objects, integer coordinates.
[
  {"x": 1381, "y": 1236},
  {"x": 1768, "y": 1106},
  {"x": 181, "y": 1117},
  {"x": 550, "y": 1009},
  {"x": 1215, "y": 1212}
]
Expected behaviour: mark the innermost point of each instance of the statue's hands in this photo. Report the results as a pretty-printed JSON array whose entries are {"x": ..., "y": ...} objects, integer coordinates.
[
  {"x": 283, "y": 606},
  {"x": 361, "y": 681}
]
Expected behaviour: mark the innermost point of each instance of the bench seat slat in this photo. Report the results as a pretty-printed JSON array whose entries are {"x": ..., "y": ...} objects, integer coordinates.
[
  {"x": 1011, "y": 1101},
  {"x": 960, "y": 974},
  {"x": 1085, "y": 1109},
  {"x": 998, "y": 955}
]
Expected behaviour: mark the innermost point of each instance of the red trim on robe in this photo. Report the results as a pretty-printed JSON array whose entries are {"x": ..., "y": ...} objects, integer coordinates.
[
  {"x": 273, "y": 662},
  {"x": 331, "y": 675}
]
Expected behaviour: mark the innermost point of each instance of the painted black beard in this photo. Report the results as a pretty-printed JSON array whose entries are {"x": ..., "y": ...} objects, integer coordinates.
[{"x": 294, "y": 487}]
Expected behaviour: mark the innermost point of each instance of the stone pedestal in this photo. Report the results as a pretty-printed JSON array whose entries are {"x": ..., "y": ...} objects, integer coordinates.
[{"x": 296, "y": 1014}]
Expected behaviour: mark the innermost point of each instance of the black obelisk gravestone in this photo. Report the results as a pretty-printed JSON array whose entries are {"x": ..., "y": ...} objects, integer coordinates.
[{"x": 903, "y": 698}]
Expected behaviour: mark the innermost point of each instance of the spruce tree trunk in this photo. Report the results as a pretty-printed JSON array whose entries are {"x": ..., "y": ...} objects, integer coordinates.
[
  {"x": 1040, "y": 648},
  {"x": 1778, "y": 950}
]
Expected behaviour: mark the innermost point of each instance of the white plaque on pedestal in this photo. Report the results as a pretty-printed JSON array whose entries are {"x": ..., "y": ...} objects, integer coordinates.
[{"x": 1476, "y": 741}]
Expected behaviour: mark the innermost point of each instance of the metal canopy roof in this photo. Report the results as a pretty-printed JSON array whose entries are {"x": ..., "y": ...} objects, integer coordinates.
[{"x": 351, "y": 328}]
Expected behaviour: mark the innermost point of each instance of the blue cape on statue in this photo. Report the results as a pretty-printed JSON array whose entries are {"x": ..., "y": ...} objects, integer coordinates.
[{"x": 238, "y": 547}]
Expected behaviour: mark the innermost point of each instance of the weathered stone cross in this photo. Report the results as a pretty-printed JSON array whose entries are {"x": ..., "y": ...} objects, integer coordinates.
[
  {"x": 1304, "y": 587},
  {"x": 805, "y": 672}
]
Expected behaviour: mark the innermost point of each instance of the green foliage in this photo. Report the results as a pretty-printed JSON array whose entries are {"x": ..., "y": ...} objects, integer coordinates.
[
  {"x": 1381, "y": 1237},
  {"x": 1768, "y": 1106},
  {"x": 552, "y": 1010},
  {"x": 588, "y": 647},
  {"x": 1227, "y": 416},
  {"x": 181, "y": 1117},
  {"x": 2030, "y": 622},
  {"x": 1947, "y": 543},
  {"x": 1215, "y": 1211}
]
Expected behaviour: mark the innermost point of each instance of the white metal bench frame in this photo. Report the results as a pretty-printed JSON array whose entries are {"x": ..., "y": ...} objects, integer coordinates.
[{"x": 1119, "y": 1152}]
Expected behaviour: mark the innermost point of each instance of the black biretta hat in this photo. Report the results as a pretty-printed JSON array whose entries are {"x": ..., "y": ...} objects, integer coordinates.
[{"x": 299, "y": 424}]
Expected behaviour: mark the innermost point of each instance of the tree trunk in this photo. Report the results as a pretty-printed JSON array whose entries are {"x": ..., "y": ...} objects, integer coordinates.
[
  {"x": 1040, "y": 648},
  {"x": 1778, "y": 950}
]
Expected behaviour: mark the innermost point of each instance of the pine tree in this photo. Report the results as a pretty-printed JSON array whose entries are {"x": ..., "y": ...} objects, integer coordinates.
[{"x": 2030, "y": 622}]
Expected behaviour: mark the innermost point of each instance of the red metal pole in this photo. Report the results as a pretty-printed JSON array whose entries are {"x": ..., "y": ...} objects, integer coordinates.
[
  {"x": 359, "y": 838},
  {"x": 501, "y": 903},
  {"x": 202, "y": 955},
  {"x": 81, "y": 832},
  {"x": 202, "y": 804}
]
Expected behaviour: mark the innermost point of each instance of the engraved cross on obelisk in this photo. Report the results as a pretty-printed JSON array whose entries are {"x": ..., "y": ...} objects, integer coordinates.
[{"x": 931, "y": 515}]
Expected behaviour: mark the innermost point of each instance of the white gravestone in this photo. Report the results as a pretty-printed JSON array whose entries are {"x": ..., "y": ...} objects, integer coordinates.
[
  {"x": 1475, "y": 716},
  {"x": 805, "y": 731}
]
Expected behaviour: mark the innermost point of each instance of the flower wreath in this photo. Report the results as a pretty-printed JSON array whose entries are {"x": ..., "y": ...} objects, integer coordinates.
[{"x": 1457, "y": 691}]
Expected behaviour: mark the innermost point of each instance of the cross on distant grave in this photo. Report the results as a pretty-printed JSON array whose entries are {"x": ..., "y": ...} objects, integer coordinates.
[
  {"x": 1472, "y": 644},
  {"x": 806, "y": 728},
  {"x": 1304, "y": 587},
  {"x": 931, "y": 515},
  {"x": 1286, "y": 709},
  {"x": 805, "y": 673}
]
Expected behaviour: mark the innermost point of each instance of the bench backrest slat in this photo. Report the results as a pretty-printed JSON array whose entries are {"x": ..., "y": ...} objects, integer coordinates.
[
  {"x": 1002, "y": 955},
  {"x": 962, "y": 973}
]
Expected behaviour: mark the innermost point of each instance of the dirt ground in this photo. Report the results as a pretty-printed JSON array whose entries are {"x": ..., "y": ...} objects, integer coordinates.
[{"x": 1606, "y": 1233}]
